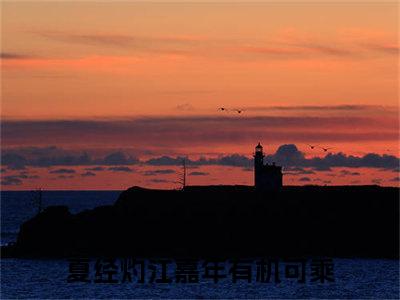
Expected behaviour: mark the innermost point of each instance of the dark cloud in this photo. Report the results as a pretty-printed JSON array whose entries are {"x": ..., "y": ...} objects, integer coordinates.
[
  {"x": 178, "y": 132},
  {"x": 341, "y": 108},
  {"x": 166, "y": 161},
  {"x": 395, "y": 179},
  {"x": 156, "y": 180},
  {"x": 198, "y": 173},
  {"x": 305, "y": 179},
  {"x": 42, "y": 157},
  {"x": 326, "y": 49},
  {"x": 19, "y": 158},
  {"x": 9, "y": 55},
  {"x": 88, "y": 174},
  {"x": 11, "y": 180},
  {"x": 298, "y": 171},
  {"x": 287, "y": 155},
  {"x": 290, "y": 157},
  {"x": 384, "y": 48},
  {"x": 25, "y": 175},
  {"x": 118, "y": 158},
  {"x": 62, "y": 171},
  {"x": 95, "y": 169},
  {"x": 163, "y": 45},
  {"x": 13, "y": 161},
  {"x": 349, "y": 173},
  {"x": 158, "y": 172},
  {"x": 322, "y": 168},
  {"x": 120, "y": 169},
  {"x": 65, "y": 176}
]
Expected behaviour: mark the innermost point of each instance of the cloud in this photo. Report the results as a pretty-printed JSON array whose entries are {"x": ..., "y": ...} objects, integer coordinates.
[
  {"x": 177, "y": 132},
  {"x": 229, "y": 160},
  {"x": 340, "y": 108},
  {"x": 19, "y": 158},
  {"x": 10, "y": 180},
  {"x": 63, "y": 171},
  {"x": 346, "y": 173},
  {"x": 298, "y": 171},
  {"x": 395, "y": 179},
  {"x": 305, "y": 179},
  {"x": 65, "y": 176},
  {"x": 185, "y": 107},
  {"x": 109, "y": 42},
  {"x": 88, "y": 174},
  {"x": 390, "y": 49},
  {"x": 164, "y": 132},
  {"x": 198, "y": 173},
  {"x": 158, "y": 172},
  {"x": 95, "y": 169},
  {"x": 299, "y": 50},
  {"x": 326, "y": 49},
  {"x": 166, "y": 161},
  {"x": 25, "y": 175},
  {"x": 10, "y": 55},
  {"x": 156, "y": 180},
  {"x": 322, "y": 168},
  {"x": 120, "y": 169},
  {"x": 287, "y": 155},
  {"x": 13, "y": 161},
  {"x": 290, "y": 157},
  {"x": 117, "y": 158}
]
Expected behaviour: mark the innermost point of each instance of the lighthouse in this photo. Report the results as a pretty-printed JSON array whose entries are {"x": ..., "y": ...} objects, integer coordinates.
[{"x": 267, "y": 177}]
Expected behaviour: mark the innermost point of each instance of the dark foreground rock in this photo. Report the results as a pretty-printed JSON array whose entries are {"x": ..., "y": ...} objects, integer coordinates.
[{"x": 226, "y": 221}]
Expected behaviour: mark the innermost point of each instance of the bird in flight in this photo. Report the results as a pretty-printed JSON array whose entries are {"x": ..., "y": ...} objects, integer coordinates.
[
  {"x": 325, "y": 149},
  {"x": 222, "y": 109},
  {"x": 239, "y": 111},
  {"x": 312, "y": 146}
]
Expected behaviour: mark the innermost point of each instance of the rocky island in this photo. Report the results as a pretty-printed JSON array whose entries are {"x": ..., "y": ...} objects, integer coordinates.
[{"x": 228, "y": 221}]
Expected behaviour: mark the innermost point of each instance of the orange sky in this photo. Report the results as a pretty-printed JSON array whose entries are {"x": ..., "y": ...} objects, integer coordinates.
[{"x": 90, "y": 61}]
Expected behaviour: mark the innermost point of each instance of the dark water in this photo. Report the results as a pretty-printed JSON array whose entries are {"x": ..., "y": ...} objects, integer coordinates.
[{"x": 23, "y": 278}]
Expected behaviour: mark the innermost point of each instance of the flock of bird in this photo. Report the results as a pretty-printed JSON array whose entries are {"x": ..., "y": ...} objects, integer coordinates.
[
  {"x": 239, "y": 111},
  {"x": 323, "y": 148}
]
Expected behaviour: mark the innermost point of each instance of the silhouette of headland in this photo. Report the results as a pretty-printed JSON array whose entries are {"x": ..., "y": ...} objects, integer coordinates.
[{"x": 222, "y": 221}]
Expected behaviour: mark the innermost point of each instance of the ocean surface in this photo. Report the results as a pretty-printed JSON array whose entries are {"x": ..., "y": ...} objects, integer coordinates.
[{"x": 26, "y": 278}]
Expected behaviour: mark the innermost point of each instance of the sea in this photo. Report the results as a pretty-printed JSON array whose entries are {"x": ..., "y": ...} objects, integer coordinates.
[{"x": 48, "y": 278}]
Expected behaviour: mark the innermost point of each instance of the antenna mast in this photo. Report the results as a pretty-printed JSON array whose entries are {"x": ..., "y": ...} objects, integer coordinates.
[
  {"x": 182, "y": 179},
  {"x": 184, "y": 174}
]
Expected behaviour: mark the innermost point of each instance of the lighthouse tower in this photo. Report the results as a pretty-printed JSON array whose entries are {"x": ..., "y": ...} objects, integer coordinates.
[
  {"x": 258, "y": 164},
  {"x": 266, "y": 177}
]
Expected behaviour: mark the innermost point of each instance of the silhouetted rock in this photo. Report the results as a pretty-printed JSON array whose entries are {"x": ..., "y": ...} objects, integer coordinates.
[{"x": 226, "y": 221}]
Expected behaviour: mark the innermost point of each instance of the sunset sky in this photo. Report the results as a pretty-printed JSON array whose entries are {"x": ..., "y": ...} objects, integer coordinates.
[{"x": 106, "y": 95}]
